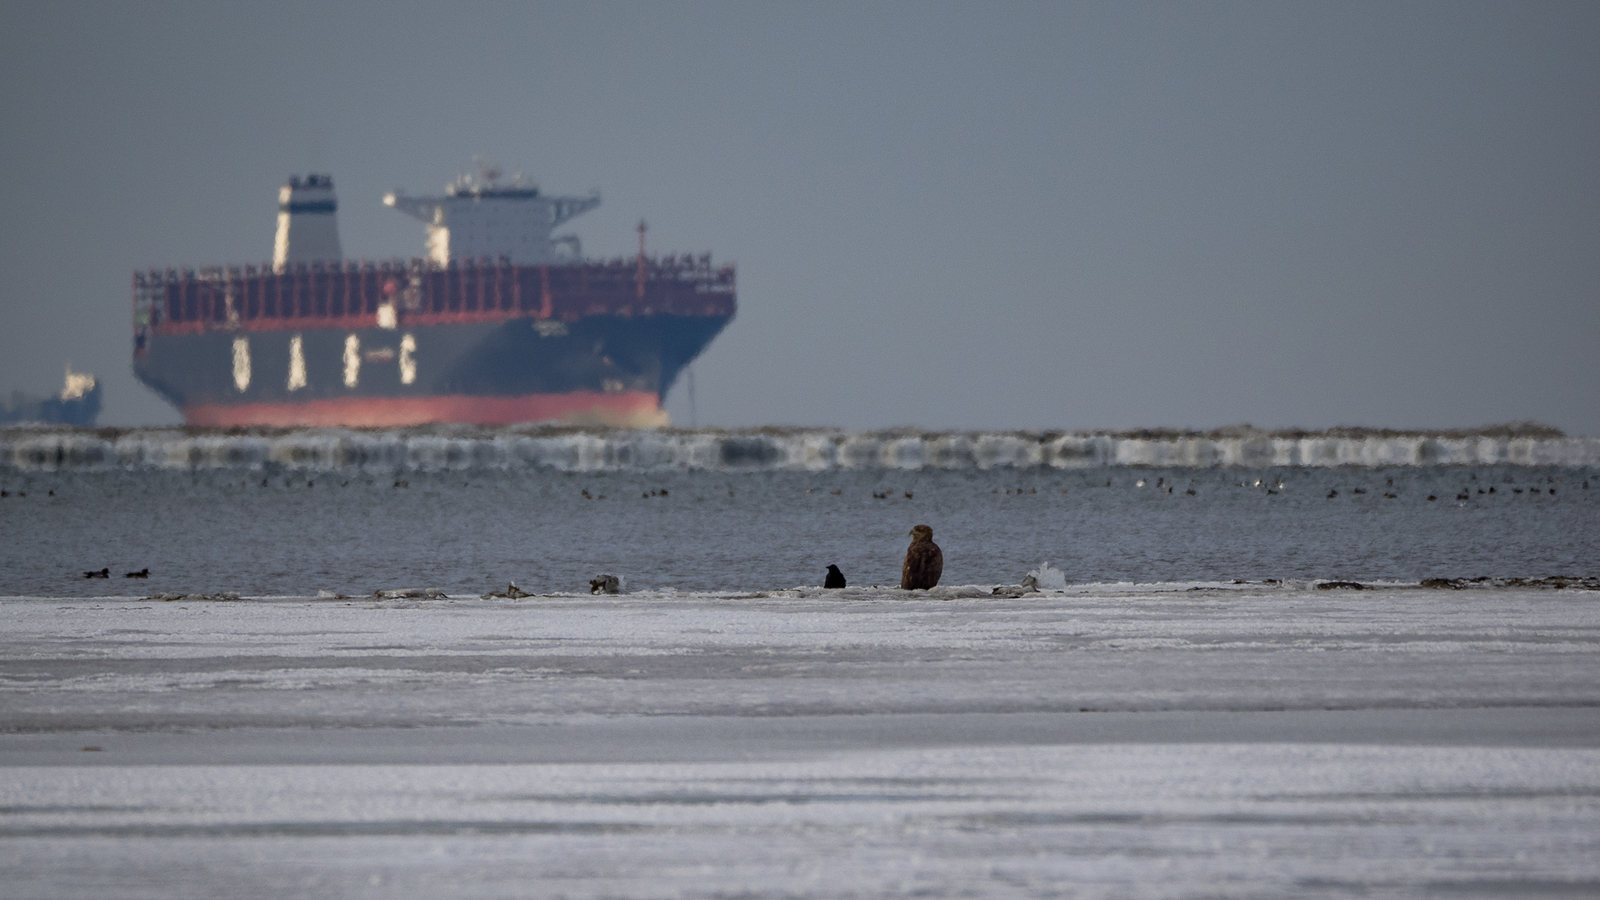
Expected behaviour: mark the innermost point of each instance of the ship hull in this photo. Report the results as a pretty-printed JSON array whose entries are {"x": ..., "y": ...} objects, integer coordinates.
[
  {"x": 79, "y": 412},
  {"x": 599, "y": 370},
  {"x": 356, "y": 343}
]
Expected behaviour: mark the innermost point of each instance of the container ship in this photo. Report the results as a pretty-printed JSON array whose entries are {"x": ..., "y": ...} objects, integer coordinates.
[
  {"x": 502, "y": 322},
  {"x": 77, "y": 405}
]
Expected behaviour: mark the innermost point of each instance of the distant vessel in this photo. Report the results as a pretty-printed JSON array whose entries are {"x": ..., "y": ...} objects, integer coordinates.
[
  {"x": 77, "y": 404},
  {"x": 500, "y": 323}
]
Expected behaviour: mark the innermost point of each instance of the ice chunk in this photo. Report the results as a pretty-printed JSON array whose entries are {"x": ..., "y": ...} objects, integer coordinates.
[
  {"x": 1045, "y": 578},
  {"x": 432, "y": 593}
]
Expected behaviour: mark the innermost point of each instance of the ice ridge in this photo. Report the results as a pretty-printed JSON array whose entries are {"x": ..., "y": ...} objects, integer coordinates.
[{"x": 764, "y": 449}]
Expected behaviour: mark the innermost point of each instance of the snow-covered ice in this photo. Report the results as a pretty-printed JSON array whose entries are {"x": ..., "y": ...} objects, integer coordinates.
[{"x": 1187, "y": 740}]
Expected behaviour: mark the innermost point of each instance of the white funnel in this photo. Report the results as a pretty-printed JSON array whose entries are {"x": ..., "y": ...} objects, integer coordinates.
[{"x": 306, "y": 226}]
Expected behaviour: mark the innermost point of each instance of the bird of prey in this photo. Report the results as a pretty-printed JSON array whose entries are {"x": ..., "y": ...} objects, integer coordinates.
[
  {"x": 835, "y": 578},
  {"x": 924, "y": 561}
]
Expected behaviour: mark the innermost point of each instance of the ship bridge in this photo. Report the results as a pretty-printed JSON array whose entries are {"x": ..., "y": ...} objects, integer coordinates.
[{"x": 480, "y": 218}]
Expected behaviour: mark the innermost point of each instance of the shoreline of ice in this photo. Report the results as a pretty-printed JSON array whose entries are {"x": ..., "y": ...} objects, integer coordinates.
[
  {"x": 1088, "y": 590},
  {"x": 811, "y": 449}
]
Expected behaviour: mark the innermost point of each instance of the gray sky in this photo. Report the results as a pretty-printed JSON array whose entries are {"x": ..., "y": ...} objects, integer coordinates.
[{"x": 946, "y": 215}]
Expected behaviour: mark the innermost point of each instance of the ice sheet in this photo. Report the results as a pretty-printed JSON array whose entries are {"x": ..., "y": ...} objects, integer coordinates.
[
  {"x": 1101, "y": 821},
  {"x": 1115, "y": 741}
]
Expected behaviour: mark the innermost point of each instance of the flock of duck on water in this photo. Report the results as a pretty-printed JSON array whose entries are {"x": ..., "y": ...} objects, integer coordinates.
[{"x": 924, "y": 561}]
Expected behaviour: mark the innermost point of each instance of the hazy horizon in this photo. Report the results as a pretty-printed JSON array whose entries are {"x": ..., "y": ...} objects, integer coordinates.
[{"x": 945, "y": 216}]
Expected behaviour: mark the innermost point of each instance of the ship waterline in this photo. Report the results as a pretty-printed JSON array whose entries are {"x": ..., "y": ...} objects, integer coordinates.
[{"x": 625, "y": 409}]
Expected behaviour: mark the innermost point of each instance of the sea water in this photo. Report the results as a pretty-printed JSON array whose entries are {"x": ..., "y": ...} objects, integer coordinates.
[{"x": 469, "y": 531}]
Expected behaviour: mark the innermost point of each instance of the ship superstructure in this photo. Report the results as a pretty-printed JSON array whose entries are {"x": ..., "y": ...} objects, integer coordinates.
[
  {"x": 497, "y": 325},
  {"x": 479, "y": 218}
]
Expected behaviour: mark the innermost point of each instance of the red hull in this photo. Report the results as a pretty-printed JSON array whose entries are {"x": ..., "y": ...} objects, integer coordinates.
[{"x": 639, "y": 409}]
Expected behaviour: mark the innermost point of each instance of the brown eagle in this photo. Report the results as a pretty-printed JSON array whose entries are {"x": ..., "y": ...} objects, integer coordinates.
[{"x": 924, "y": 561}]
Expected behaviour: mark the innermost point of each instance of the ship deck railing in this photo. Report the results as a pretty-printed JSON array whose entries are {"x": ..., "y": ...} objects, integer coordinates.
[{"x": 350, "y": 293}]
